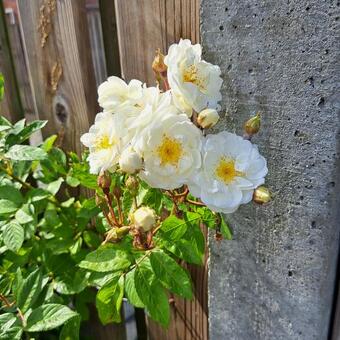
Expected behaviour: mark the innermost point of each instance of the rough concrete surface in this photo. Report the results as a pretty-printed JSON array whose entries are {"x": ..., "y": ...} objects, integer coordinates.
[{"x": 275, "y": 280}]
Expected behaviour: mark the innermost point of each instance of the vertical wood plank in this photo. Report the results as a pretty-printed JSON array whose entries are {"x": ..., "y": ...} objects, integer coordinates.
[
  {"x": 56, "y": 40},
  {"x": 110, "y": 37},
  {"x": 145, "y": 25},
  {"x": 11, "y": 106}
]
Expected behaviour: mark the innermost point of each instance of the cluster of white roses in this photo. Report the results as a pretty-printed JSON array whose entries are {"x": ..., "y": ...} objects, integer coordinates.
[{"x": 159, "y": 134}]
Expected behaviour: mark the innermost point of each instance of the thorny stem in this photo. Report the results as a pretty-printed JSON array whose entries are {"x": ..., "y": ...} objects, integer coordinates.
[
  {"x": 112, "y": 213},
  {"x": 5, "y": 301},
  {"x": 195, "y": 202}
]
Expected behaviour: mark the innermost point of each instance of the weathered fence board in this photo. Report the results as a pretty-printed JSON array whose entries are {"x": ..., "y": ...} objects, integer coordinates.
[
  {"x": 56, "y": 40},
  {"x": 11, "y": 106},
  {"x": 145, "y": 25}
]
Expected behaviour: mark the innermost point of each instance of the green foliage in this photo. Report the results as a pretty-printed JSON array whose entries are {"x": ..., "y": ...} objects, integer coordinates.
[{"x": 59, "y": 251}]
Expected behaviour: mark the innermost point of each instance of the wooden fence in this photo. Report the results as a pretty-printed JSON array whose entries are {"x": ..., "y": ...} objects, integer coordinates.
[{"x": 54, "y": 53}]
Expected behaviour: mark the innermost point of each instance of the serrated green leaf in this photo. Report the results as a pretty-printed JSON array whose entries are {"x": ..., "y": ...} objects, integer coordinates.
[
  {"x": 48, "y": 317},
  {"x": 13, "y": 236},
  {"x": 29, "y": 290},
  {"x": 70, "y": 330},
  {"x": 25, "y": 214},
  {"x": 7, "y": 207},
  {"x": 173, "y": 228},
  {"x": 152, "y": 294},
  {"x": 49, "y": 142},
  {"x": 71, "y": 282},
  {"x": 25, "y": 133},
  {"x": 130, "y": 290},
  {"x": 54, "y": 186},
  {"x": 172, "y": 275},
  {"x": 25, "y": 153},
  {"x": 105, "y": 259},
  {"x": 11, "y": 193},
  {"x": 109, "y": 300}
]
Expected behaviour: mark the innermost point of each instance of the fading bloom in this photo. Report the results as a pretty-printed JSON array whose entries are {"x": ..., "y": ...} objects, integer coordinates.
[
  {"x": 130, "y": 161},
  {"x": 144, "y": 217},
  {"x": 208, "y": 118},
  {"x": 232, "y": 168},
  {"x": 193, "y": 81},
  {"x": 104, "y": 142},
  {"x": 115, "y": 93},
  {"x": 170, "y": 148}
]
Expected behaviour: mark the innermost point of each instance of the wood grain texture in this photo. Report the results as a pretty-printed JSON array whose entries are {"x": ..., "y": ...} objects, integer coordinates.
[
  {"x": 11, "y": 106},
  {"x": 145, "y": 25},
  {"x": 56, "y": 41},
  {"x": 110, "y": 37}
]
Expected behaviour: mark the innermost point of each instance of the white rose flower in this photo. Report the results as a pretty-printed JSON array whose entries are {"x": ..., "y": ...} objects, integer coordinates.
[
  {"x": 144, "y": 217},
  {"x": 129, "y": 161},
  {"x": 104, "y": 142},
  {"x": 194, "y": 82},
  {"x": 115, "y": 93},
  {"x": 170, "y": 148},
  {"x": 208, "y": 118},
  {"x": 232, "y": 168}
]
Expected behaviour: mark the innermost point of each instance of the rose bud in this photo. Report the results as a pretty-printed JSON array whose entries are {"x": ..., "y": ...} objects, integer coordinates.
[
  {"x": 208, "y": 118},
  {"x": 132, "y": 185},
  {"x": 261, "y": 195},
  {"x": 104, "y": 182},
  {"x": 130, "y": 162},
  {"x": 252, "y": 126},
  {"x": 144, "y": 218},
  {"x": 158, "y": 65}
]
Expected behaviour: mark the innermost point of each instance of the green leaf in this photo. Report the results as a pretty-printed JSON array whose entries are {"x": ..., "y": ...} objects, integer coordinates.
[
  {"x": 7, "y": 207},
  {"x": 130, "y": 290},
  {"x": 109, "y": 300},
  {"x": 173, "y": 228},
  {"x": 225, "y": 230},
  {"x": 9, "y": 327},
  {"x": 29, "y": 290},
  {"x": 25, "y": 214},
  {"x": 25, "y": 153},
  {"x": 105, "y": 259},
  {"x": 13, "y": 236},
  {"x": 91, "y": 239},
  {"x": 48, "y": 317},
  {"x": 152, "y": 294},
  {"x": 153, "y": 198},
  {"x": 54, "y": 187},
  {"x": 71, "y": 282},
  {"x": 2, "y": 86},
  {"x": 11, "y": 193},
  {"x": 172, "y": 275},
  {"x": 49, "y": 142},
  {"x": 70, "y": 330},
  {"x": 72, "y": 182},
  {"x": 25, "y": 133},
  {"x": 191, "y": 246}
]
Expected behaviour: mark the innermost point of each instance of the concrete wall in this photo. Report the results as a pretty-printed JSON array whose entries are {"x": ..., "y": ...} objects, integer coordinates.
[{"x": 275, "y": 280}]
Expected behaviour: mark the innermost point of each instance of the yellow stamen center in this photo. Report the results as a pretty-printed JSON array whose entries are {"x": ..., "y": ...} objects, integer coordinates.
[
  {"x": 226, "y": 171},
  {"x": 103, "y": 142},
  {"x": 170, "y": 151},
  {"x": 191, "y": 76}
]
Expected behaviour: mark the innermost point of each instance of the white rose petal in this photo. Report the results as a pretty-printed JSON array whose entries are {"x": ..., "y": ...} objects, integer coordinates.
[
  {"x": 170, "y": 147},
  {"x": 232, "y": 168},
  {"x": 194, "y": 82},
  {"x": 114, "y": 93},
  {"x": 144, "y": 218},
  {"x": 130, "y": 161},
  {"x": 104, "y": 141}
]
